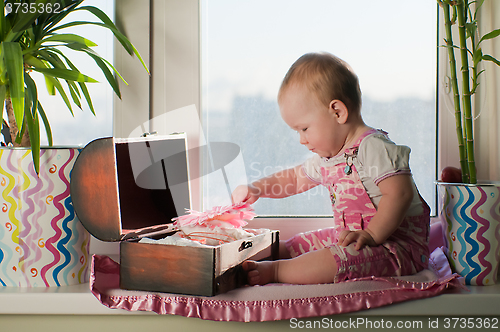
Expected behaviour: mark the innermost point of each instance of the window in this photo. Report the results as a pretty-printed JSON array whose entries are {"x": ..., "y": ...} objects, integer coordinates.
[
  {"x": 84, "y": 126},
  {"x": 247, "y": 47}
]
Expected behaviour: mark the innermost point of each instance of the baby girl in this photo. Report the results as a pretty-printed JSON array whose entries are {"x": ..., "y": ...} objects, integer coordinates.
[{"x": 380, "y": 223}]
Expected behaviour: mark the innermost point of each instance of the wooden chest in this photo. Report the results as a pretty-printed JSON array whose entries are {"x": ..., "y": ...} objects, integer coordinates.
[{"x": 127, "y": 189}]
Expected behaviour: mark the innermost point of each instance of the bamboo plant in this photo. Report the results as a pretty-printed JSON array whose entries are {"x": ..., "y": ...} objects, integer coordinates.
[
  {"x": 33, "y": 39},
  {"x": 464, "y": 13}
]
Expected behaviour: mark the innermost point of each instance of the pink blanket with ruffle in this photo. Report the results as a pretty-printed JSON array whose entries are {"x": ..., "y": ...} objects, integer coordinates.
[{"x": 276, "y": 301}]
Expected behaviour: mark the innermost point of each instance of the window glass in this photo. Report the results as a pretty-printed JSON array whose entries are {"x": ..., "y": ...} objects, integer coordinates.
[
  {"x": 248, "y": 46},
  {"x": 84, "y": 126}
]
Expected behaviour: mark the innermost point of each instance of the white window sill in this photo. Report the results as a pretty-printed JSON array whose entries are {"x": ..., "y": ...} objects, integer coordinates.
[{"x": 78, "y": 300}]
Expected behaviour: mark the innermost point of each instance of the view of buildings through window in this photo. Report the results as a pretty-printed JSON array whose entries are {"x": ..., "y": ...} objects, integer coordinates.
[{"x": 247, "y": 47}]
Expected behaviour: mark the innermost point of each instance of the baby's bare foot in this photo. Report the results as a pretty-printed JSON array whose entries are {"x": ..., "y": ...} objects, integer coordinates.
[{"x": 260, "y": 273}]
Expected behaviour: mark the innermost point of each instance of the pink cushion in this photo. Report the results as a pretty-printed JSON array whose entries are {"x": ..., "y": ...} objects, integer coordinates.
[{"x": 275, "y": 301}]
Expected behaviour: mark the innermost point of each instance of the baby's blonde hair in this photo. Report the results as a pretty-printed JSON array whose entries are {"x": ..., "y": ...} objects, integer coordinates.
[{"x": 327, "y": 76}]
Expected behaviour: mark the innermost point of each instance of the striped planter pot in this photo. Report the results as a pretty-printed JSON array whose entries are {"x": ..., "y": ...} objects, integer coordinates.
[
  {"x": 42, "y": 242},
  {"x": 471, "y": 222}
]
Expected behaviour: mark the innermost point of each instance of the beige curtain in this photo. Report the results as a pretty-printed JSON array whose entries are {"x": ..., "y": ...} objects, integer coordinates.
[{"x": 487, "y": 103}]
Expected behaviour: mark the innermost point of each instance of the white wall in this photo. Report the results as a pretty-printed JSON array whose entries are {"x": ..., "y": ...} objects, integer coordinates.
[{"x": 488, "y": 123}]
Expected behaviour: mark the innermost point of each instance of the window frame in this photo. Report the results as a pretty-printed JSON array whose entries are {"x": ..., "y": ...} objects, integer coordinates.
[
  {"x": 174, "y": 36},
  {"x": 166, "y": 34}
]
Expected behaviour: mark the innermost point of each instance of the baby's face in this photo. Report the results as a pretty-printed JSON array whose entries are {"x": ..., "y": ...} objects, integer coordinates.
[{"x": 316, "y": 123}]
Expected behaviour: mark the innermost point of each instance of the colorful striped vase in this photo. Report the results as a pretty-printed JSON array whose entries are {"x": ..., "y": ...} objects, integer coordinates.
[
  {"x": 42, "y": 242},
  {"x": 471, "y": 222}
]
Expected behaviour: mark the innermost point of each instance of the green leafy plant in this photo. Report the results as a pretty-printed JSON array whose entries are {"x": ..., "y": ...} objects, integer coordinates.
[
  {"x": 464, "y": 14},
  {"x": 33, "y": 39}
]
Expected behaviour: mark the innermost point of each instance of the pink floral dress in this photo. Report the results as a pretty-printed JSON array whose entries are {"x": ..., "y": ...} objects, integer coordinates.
[{"x": 405, "y": 252}]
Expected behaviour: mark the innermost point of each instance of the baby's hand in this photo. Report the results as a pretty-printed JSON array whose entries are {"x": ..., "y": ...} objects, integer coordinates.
[
  {"x": 361, "y": 238},
  {"x": 248, "y": 194}
]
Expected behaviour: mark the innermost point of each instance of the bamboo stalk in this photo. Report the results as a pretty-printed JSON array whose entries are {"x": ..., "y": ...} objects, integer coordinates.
[
  {"x": 466, "y": 92},
  {"x": 455, "y": 90},
  {"x": 473, "y": 51}
]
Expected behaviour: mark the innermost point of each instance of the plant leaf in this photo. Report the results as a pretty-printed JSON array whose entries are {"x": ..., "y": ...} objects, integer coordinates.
[
  {"x": 3, "y": 92},
  {"x": 67, "y": 38},
  {"x": 23, "y": 20},
  {"x": 68, "y": 8},
  {"x": 34, "y": 132},
  {"x": 49, "y": 57},
  {"x": 32, "y": 92},
  {"x": 82, "y": 85},
  {"x": 479, "y": 3},
  {"x": 111, "y": 26},
  {"x": 75, "y": 95},
  {"x": 478, "y": 56},
  {"x": 450, "y": 46},
  {"x": 470, "y": 28},
  {"x": 86, "y": 93},
  {"x": 2, "y": 23},
  {"x": 46, "y": 123},
  {"x": 55, "y": 82},
  {"x": 33, "y": 61},
  {"x": 66, "y": 74},
  {"x": 50, "y": 87},
  {"x": 488, "y": 57},
  {"x": 14, "y": 65},
  {"x": 490, "y": 35},
  {"x": 71, "y": 24},
  {"x": 105, "y": 70},
  {"x": 121, "y": 37},
  {"x": 32, "y": 120},
  {"x": 97, "y": 58},
  {"x": 109, "y": 76}
]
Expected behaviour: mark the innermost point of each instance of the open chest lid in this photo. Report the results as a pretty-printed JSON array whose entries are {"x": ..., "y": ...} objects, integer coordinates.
[{"x": 119, "y": 186}]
